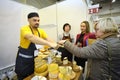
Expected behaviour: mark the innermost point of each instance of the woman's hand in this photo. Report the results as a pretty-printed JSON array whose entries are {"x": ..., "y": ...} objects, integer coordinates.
[
  {"x": 56, "y": 45},
  {"x": 61, "y": 42}
]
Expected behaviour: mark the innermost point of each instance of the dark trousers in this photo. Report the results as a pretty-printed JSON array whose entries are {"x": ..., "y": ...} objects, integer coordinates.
[{"x": 65, "y": 53}]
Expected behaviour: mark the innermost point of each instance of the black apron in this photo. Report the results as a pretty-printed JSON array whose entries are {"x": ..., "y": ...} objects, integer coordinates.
[
  {"x": 65, "y": 52},
  {"x": 67, "y": 38},
  {"x": 25, "y": 61}
]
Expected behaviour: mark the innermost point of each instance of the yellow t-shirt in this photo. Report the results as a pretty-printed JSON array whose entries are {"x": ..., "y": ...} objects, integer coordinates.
[{"x": 24, "y": 43}]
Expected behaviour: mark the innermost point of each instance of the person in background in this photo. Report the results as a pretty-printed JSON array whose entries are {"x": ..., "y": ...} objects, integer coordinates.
[
  {"x": 81, "y": 40},
  {"x": 104, "y": 53},
  {"x": 30, "y": 35},
  {"x": 66, "y": 36}
]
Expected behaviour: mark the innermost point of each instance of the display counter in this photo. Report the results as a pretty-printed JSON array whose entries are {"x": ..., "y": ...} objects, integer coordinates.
[
  {"x": 55, "y": 67},
  {"x": 78, "y": 76}
]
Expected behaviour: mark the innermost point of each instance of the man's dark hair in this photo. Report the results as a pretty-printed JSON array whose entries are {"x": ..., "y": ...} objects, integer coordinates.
[{"x": 33, "y": 14}]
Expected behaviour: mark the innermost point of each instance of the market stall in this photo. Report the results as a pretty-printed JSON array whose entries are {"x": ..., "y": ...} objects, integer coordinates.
[{"x": 50, "y": 66}]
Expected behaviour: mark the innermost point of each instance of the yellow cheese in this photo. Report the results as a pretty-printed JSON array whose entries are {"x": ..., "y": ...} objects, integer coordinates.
[
  {"x": 53, "y": 79},
  {"x": 62, "y": 70},
  {"x": 76, "y": 68},
  {"x": 52, "y": 67},
  {"x": 41, "y": 69},
  {"x": 60, "y": 76},
  {"x": 42, "y": 74},
  {"x": 63, "y": 76},
  {"x": 53, "y": 74},
  {"x": 46, "y": 47}
]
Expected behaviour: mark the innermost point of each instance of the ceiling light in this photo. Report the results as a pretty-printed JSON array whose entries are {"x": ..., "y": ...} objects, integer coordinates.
[{"x": 113, "y": 1}]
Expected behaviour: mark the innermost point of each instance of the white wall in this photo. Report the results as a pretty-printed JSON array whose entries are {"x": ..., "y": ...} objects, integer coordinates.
[
  {"x": 9, "y": 32},
  {"x": 25, "y": 11},
  {"x": 14, "y": 15},
  {"x": 68, "y": 11},
  {"x": 48, "y": 21},
  {"x": 73, "y": 12}
]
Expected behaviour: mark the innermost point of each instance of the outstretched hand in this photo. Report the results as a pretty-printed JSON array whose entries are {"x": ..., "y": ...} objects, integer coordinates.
[
  {"x": 57, "y": 45},
  {"x": 53, "y": 44},
  {"x": 61, "y": 42}
]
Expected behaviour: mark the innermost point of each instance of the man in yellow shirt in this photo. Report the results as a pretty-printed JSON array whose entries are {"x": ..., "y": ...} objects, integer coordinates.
[{"x": 30, "y": 35}]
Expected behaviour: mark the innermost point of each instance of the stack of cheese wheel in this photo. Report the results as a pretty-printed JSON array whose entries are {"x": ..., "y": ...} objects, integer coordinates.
[
  {"x": 41, "y": 68},
  {"x": 53, "y": 70},
  {"x": 76, "y": 68},
  {"x": 66, "y": 73},
  {"x": 63, "y": 73}
]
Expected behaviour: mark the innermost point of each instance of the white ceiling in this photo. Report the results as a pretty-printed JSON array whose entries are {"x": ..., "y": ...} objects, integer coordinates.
[
  {"x": 38, "y": 3},
  {"x": 106, "y": 6}
]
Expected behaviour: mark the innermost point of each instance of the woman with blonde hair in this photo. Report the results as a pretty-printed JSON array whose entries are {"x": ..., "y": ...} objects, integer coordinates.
[
  {"x": 82, "y": 40},
  {"x": 104, "y": 53}
]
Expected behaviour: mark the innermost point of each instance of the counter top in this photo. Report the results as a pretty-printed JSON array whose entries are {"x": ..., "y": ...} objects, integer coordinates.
[{"x": 78, "y": 75}]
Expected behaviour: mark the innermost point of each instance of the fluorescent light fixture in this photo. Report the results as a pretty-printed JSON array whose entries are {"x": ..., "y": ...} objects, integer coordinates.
[
  {"x": 113, "y": 1},
  {"x": 89, "y": 3}
]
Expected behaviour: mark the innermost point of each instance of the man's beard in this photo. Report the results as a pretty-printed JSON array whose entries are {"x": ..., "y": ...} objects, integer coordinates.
[{"x": 36, "y": 25}]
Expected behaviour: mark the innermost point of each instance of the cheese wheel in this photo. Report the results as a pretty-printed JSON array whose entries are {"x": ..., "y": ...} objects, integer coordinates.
[
  {"x": 52, "y": 67},
  {"x": 53, "y": 74},
  {"x": 42, "y": 74},
  {"x": 41, "y": 69}
]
